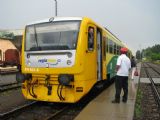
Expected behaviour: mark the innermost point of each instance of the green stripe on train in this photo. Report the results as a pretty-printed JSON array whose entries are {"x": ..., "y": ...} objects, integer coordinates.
[{"x": 112, "y": 66}]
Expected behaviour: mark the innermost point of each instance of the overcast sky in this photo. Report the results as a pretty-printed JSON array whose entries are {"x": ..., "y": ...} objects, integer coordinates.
[{"x": 135, "y": 22}]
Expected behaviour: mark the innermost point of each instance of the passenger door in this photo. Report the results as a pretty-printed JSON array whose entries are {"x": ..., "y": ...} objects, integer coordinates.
[
  {"x": 91, "y": 53},
  {"x": 99, "y": 54}
]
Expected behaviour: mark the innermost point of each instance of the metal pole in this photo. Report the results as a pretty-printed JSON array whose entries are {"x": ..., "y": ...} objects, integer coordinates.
[{"x": 55, "y": 7}]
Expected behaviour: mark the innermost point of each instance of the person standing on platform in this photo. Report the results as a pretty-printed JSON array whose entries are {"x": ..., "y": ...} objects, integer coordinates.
[
  {"x": 133, "y": 66},
  {"x": 123, "y": 66}
]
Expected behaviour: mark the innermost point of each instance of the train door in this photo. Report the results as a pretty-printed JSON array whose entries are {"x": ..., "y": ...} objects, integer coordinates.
[
  {"x": 99, "y": 54},
  {"x": 91, "y": 57}
]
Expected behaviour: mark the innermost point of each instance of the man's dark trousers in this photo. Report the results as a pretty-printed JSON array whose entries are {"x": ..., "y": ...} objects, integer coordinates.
[{"x": 121, "y": 82}]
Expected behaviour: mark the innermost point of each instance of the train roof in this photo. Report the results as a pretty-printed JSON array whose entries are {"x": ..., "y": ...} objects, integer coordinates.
[{"x": 56, "y": 19}]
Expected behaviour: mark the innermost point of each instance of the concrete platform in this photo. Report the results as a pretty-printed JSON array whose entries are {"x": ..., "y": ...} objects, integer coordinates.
[
  {"x": 146, "y": 80},
  {"x": 5, "y": 70},
  {"x": 14, "y": 68},
  {"x": 101, "y": 107}
]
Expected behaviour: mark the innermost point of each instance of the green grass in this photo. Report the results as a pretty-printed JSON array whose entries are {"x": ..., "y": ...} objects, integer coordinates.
[
  {"x": 157, "y": 62},
  {"x": 138, "y": 109}
]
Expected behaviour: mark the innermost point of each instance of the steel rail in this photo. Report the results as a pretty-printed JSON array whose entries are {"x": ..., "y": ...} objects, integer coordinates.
[
  {"x": 153, "y": 68},
  {"x": 2, "y": 85},
  {"x": 6, "y": 87},
  {"x": 56, "y": 113},
  {"x": 157, "y": 95},
  {"x": 15, "y": 110}
]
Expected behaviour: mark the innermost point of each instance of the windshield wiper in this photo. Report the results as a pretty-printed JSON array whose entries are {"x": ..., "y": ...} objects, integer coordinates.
[{"x": 36, "y": 36}]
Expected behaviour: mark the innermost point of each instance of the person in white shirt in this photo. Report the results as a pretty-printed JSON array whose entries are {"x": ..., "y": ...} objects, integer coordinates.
[{"x": 123, "y": 66}]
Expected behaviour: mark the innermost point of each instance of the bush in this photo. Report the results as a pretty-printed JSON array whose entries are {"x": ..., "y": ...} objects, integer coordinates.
[{"x": 155, "y": 56}]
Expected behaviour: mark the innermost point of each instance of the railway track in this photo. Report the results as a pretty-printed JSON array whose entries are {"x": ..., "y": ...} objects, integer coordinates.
[
  {"x": 56, "y": 113},
  {"x": 10, "y": 86},
  {"x": 50, "y": 111},
  {"x": 35, "y": 111},
  {"x": 155, "y": 87},
  {"x": 153, "y": 69},
  {"x": 147, "y": 102},
  {"x": 6, "y": 115}
]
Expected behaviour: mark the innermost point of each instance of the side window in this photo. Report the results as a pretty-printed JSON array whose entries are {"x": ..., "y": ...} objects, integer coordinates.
[
  {"x": 118, "y": 50},
  {"x": 128, "y": 54},
  {"x": 115, "y": 48},
  {"x": 107, "y": 45},
  {"x": 90, "y": 38},
  {"x": 104, "y": 45},
  {"x": 110, "y": 46}
]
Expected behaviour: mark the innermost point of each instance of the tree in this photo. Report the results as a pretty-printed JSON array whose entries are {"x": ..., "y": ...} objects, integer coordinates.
[
  {"x": 152, "y": 53},
  {"x": 6, "y": 35},
  {"x": 138, "y": 54},
  {"x": 155, "y": 56}
]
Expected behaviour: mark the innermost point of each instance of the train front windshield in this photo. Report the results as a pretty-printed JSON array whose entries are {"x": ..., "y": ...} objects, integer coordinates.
[{"x": 52, "y": 36}]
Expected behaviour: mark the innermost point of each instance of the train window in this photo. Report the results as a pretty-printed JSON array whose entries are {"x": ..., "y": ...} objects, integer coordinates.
[
  {"x": 91, "y": 38},
  {"x": 104, "y": 45},
  {"x": 52, "y": 36},
  {"x": 118, "y": 49},
  {"x": 128, "y": 54},
  {"x": 30, "y": 35},
  {"x": 110, "y": 46},
  {"x": 115, "y": 48},
  {"x": 107, "y": 45}
]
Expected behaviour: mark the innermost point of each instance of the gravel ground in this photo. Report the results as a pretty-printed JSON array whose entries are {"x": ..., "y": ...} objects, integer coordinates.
[
  {"x": 148, "y": 107},
  {"x": 7, "y": 78},
  {"x": 10, "y": 100}
]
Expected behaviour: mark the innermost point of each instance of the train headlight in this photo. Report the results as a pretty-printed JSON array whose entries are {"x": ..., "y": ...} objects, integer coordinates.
[
  {"x": 69, "y": 55},
  {"x": 65, "y": 79},
  {"x": 69, "y": 62}
]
